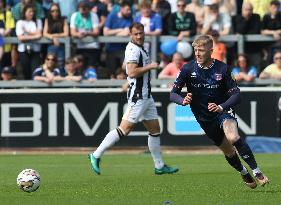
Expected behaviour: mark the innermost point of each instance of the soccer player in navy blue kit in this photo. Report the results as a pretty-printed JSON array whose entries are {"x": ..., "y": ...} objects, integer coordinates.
[{"x": 212, "y": 93}]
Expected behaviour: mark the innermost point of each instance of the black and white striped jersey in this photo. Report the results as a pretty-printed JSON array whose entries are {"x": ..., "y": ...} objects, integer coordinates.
[{"x": 139, "y": 88}]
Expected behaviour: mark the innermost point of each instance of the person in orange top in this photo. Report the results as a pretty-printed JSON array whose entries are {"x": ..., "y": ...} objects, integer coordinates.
[
  {"x": 172, "y": 69},
  {"x": 219, "y": 48}
]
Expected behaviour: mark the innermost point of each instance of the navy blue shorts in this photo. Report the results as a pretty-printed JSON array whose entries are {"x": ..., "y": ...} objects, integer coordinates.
[{"x": 214, "y": 129}]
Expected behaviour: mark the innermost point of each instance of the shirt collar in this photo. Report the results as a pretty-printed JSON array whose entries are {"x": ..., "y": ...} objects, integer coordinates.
[{"x": 210, "y": 66}]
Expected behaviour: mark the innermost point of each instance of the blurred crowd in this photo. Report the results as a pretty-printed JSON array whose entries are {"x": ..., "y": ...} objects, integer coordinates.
[{"x": 30, "y": 20}]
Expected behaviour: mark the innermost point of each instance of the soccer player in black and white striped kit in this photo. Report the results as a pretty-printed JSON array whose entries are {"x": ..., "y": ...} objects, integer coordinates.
[{"x": 141, "y": 105}]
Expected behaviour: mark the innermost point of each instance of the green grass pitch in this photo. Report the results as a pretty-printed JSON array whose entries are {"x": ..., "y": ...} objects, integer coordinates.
[{"x": 129, "y": 180}]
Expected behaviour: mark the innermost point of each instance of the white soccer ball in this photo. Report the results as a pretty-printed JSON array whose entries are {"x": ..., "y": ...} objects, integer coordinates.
[{"x": 28, "y": 180}]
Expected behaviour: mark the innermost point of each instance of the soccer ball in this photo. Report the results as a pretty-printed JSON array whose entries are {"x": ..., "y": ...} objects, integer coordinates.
[{"x": 28, "y": 180}]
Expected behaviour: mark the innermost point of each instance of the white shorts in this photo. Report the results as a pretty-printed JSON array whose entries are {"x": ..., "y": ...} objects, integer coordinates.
[{"x": 143, "y": 109}]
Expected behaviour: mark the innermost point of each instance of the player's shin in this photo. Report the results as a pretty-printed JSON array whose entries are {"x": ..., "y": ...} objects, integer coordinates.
[
  {"x": 246, "y": 153},
  {"x": 155, "y": 150},
  {"x": 110, "y": 139},
  {"x": 235, "y": 162}
]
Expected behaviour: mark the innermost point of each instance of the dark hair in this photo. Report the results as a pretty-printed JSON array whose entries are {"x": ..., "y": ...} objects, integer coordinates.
[
  {"x": 69, "y": 61},
  {"x": 58, "y": 6},
  {"x": 244, "y": 56},
  {"x": 51, "y": 54},
  {"x": 275, "y": 2},
  {"x": 136, "y": 25},
  {"x": 214, "y": 6},
  {"x": 125, "y": 3},
  {"x": 55, "y": 25},
  {"x": 79, "y": 57},
  {"x": 4, "y": 4},
  {"x": 83, "y": 4},
  {"x": 25, "y": 8},
  {"x": 276, "y": 51}
]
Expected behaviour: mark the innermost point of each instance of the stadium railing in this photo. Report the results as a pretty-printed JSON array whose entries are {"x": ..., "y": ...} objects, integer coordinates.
[{"x": 102, "y": 83}]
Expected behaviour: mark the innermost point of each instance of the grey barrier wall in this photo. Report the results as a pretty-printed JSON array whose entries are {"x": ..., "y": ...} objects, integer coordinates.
[{"x": 82, "y": 117}]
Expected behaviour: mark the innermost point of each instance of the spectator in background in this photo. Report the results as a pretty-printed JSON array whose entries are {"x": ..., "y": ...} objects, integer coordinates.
[
  {"x": 271, "y": 25},
  {"x": 82, "y": 24},
  {"x": 163, "y": 8},
  {"x": 152, "y": 21},
  {"x": 243, "y": 71},
  {"x": 219, "y": 48},
  {"x": 46, "y": 4},
  {"x": 48, "y": 72},
  {"x": 56, "y": 27},
  {"x": 182, "y": 23},
  {"x": 197, "y": 9},
  {"x": 7, "y": 74},
  {"x": 2, "y": 30},
  {"x": 249, "y": 23},
  {"x": 87, "y": 73},
  {"x": 7, "y": 24},
  {"x": 67, "y": 7},
  {"x": 116, "y": 6},
  {"x": 90, "y": 74},
  {"x": 173, "y": 4},
  {"x": 18, "y": 8},
  {"x": 100, "y": 9},
  {"x": 117, "y": 24},
  {"x": 2, "y": 33},
  {"x": 71, "y": 72},
  {"x": 215, "y": 20},
  {"x": 273, "y": 71},
  {"x": 120, "y": 74},
  {"x": 172, "y": 70},
  {"x": 227, "y": 6},
  {"x": 79, "y": 63},
  {"x": 261, "y": 7},
  {"x": 27, "y": 29},
  {"x": 109, "y": 5},
  {"x": 11, "y": 3}
]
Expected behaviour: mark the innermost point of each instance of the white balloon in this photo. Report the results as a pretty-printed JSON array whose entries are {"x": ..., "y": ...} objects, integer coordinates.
[{"x": 185, "y": 49}]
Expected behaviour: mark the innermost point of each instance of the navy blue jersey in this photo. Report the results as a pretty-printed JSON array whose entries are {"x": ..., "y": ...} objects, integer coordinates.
[
  {"x": 41, "y": 72},
  {"x": 211, "y": 85}
]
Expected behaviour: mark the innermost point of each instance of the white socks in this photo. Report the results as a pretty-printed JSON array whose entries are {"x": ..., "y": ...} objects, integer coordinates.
[
  {"x": 153, "y": 144},
  {"x": 244, "y": 171},
  {"x": 154, "y": 148},
  {"x": 110, "y": 139},
  {"x": 255, "y": 171}
]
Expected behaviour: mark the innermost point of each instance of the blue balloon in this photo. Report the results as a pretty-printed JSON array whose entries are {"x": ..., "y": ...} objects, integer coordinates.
[{"x": 169, "y": 47}]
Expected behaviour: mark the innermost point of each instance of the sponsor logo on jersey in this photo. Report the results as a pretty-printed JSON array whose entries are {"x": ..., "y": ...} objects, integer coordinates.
[{"x": 193, "y": 75}]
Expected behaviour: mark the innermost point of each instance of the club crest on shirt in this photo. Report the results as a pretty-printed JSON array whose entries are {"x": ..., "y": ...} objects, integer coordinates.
[{"x": 218, "y": 76}]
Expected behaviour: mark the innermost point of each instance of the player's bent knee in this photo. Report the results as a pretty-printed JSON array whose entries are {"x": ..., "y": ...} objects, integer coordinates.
[{"x": 233, "y": 138}]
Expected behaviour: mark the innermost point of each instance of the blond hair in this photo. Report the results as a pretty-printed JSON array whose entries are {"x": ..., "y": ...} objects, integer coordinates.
[{"x": 203, "y": 40}]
